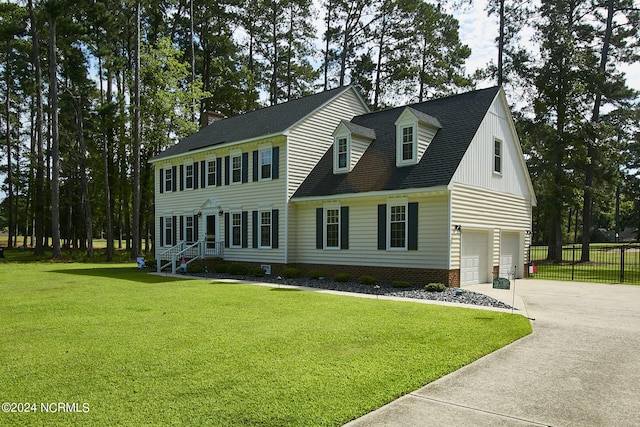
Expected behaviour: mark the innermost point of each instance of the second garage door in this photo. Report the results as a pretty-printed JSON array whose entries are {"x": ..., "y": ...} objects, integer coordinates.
[{"x": 474, "y": 259}]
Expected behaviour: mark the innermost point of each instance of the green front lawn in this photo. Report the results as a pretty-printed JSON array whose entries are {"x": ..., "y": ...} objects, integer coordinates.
[{"x": 131, "y": 349}]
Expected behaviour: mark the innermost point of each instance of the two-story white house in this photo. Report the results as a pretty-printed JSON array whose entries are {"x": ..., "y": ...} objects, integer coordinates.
[{"x": 436, "y": 191}]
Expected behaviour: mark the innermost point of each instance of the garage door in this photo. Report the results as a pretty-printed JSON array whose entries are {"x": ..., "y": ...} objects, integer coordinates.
[
  {"x": 510, "y": 255},
  {"x": 474, "y": 260}
]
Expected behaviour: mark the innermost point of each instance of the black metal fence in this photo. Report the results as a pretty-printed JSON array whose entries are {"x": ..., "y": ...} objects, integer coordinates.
[{"x": 607, "y": 264}]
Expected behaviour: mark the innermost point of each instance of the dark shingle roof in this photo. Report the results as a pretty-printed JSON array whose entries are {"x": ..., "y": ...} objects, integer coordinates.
[
  {"x": 459, "y": 117},
  {"x": 266, "y": 121}
]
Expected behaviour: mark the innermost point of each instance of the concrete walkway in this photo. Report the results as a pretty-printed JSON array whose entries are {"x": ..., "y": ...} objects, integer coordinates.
[{"x": 580, "y": 367}]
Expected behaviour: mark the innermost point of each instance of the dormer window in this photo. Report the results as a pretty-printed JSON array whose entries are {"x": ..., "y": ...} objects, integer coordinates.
[
  {"x": 414, "y": 132},
  {"x": 407, "y": 146},
  {"x": 408, "y": 143},
  {"x": 350, "y": 141},
  {"x": 341, "y": 153}
]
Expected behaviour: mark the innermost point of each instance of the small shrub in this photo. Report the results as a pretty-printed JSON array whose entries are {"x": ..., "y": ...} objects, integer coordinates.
[
  {"x": 238, "y": 269},
  {"x": 194, "y": 267},
  {"x": 291, "y": 273},
  {"x": 258, "y": 272},
  {"x": 400, "y": 284},
  {"x": 367, "y": 280},
  {"x": 341, "y": 277},
  {"x": 220, "y": 268},
  {"x": 315, "y": 274},
  {"x": 435, "y": 287}
]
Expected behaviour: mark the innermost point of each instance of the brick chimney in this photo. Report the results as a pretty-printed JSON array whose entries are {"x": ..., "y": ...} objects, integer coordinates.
[{"x": 208, "y": 117}]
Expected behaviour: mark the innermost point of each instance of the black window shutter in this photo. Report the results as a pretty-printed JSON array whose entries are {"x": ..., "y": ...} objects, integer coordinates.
[
  {"x": 195, "y": 228},
  {"x": 382, "y": 227},
  {"x": 245, "y": 231},
  {"x": 255, "y": 165},
  {"x": 226, "y": 170},
  {"x": 175, "y": 230},
  {"x": 219, "y": 171},
  {"x": 161, "y": 231},
  {"x": 319, "y": 228},
  {"x": 274, "y": 229},
  {"x": 344, "y": 227},
  {"x": 181, "y": 177},
  {"x": 245, "y": 167},
  {"x": 174, "y": 177},
  {"x": 181, "y": 227},
  {"x": 275, "y": 163},
  {"x": 226, "y": 229},
  {"x": 254, "y": 225},
  {"x": 195, "y": 175},
  {"x": 413, "y": 227},
  {"x": 161, "y": 180},
  {"x": 204, "y": 171}
]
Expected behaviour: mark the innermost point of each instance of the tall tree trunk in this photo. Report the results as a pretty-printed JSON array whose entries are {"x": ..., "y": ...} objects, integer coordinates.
[
  {"x": 591, "y": 153},
  {"x": 107, "y": 141},
  {"x": 135, "y": 238},
  {"x": 327, "y": 43},
  {"x": 86, "y": 201},
  {"x": 39, "y": 196},
  {"x": 9, "y": 149},
  {"x": 55, "y": 142}
]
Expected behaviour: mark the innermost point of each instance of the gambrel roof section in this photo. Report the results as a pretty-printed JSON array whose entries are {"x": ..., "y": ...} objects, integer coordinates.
[
  {"x": 264, "y": 122},
  {"x": 459, "y": 117}
]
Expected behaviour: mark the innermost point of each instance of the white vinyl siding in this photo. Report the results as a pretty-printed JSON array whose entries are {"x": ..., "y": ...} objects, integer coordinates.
[
  {"x": 309, "y": 140},
  {"x": 363, "y": 239},
  {"x": 477, "y": 166},
  {"x": 212, "y": 200},
  {"x": 476, "y": 208}
]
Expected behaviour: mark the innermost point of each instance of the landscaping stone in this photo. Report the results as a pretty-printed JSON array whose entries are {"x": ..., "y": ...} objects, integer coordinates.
[{"x": 382, "y": 288}]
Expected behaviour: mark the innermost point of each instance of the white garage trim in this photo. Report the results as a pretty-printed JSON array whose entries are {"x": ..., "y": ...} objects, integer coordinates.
[{"x": 474, "y": 257}]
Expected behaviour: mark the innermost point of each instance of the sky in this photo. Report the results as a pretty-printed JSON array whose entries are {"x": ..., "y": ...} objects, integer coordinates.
[{"x": 479, "y": 31}]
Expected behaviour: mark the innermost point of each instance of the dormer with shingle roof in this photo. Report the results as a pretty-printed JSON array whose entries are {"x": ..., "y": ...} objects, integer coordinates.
[
  {"x": 414, "y": 132},
  {"x": 350, "y": 143}
]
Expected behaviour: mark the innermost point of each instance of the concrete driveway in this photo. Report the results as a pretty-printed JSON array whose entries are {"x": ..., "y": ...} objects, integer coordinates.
[{"x": 580, "y": 367}]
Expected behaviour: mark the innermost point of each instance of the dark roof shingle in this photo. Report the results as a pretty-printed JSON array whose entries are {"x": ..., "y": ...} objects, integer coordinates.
[
  {"x": 459, "y": 117},
  {"x": 266, "y": 121}
]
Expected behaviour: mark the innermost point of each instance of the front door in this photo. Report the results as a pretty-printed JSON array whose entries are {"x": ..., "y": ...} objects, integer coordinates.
[{"x": 210, "y": 230}]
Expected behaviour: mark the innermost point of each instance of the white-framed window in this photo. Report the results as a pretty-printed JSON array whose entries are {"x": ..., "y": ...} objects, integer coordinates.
[
  {"x": 168, "y": 180},
  {"x": 265, "y": 164},
  {"x": 341, "y": 153},
  {"x": 332, "y": 228},
  {"x": 188, "y": 176},
  {"x": 406, "y": 143},
  {"x": 236, "y": 230},
  {"x": 188, "y": 229},
  {"x": 265, "y": 229},
  {"x": 211, "y": 173},
  {"x": 497, "y": 156},
  {"x": 236, "y": 168},
  {"x": 168, "y": 231},
  {"x": 397, "y": 228}
]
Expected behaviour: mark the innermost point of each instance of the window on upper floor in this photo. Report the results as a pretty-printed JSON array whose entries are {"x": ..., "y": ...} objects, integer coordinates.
[
  {"x": 188, "y": 176},
  {"x": 497, "y": 156},
  {"x": 341, "y": 153},
  {"x": 236, "y": 169},
  {"x": 168, "y": 180},
  {"x": 211, "y": 173},
  {"x": 406, "y": 144},
  {"x": 266, "y": 161}
]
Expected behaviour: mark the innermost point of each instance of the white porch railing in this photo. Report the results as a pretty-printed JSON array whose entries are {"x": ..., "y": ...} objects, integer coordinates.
[{"x": 192, "y": 252}]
